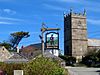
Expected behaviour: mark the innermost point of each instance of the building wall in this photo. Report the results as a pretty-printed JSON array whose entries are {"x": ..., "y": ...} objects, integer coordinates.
[
  {"x": 55, "y": 52},
  {"x": 79, "y": 34},
  {"x": 79, "y": 47},
  {"x": 93, "y": 44},
  {"x": 75, "y": 34},
  {"x": 4, "y": 54},
  {"x": 67, "y": 35}
]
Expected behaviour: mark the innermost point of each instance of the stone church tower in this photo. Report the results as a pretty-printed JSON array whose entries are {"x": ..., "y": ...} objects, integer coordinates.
[{"x": 75, "y": 34}]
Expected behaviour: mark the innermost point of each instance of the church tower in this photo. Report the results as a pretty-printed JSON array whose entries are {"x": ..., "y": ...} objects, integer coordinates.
[{"x": 75, "y": 34}]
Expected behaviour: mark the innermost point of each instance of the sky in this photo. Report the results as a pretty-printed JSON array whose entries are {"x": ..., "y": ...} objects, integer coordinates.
[{"x": 28, "y": 15}]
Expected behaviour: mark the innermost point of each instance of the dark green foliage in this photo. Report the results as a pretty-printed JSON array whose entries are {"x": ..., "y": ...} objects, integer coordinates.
[
  {"x": 14, "y": 40},
  {"x": 6, "y": 45},
  {"x": 63, "y": 57},
  {"x": 10, "y": 67},
  {"x": 43, "y": 66},
  {"x": 38, "y": 66},
  {"x": 89, "y": 60},
  {"x": 68, "y": 59},
  {"x": 92, "y": 58},
  {"x": 98, "y": 54},
  {"x": 17, "y": 37}
]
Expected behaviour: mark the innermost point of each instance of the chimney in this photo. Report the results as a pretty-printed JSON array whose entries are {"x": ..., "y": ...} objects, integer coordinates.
[{"x": 17, "y": 49}]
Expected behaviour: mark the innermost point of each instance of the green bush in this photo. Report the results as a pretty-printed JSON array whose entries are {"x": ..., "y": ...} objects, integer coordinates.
[
  {"x": 38, "y": 66},
  {"x": 69, "y": 60},
  {"x": 43, "y": 66},
  {"x": 10, "y": 67},
  {"x": 92, "y": 58}
]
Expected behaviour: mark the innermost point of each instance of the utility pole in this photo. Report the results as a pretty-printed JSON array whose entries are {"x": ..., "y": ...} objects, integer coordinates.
[
  {"x": 42, "y": 40},
  {"x": 42, "y": 44}
]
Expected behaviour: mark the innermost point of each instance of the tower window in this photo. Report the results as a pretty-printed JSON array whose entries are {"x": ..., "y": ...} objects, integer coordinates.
[
  {"x": 79, "y": 24},
  {"x": 3, "y": 49}
]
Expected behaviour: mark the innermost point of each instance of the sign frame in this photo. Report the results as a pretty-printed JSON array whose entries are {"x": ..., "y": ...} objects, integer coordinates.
[{"x": 46, "y": 38}]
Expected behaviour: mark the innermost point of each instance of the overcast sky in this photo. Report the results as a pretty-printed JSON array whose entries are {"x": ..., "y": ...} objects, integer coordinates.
[{"x": 28, "y": 15}]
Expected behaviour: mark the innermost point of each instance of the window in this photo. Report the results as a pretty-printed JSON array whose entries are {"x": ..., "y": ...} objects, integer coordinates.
[
  {"x": 79, "y": 24},
  {"x": 3, "y": 49}
]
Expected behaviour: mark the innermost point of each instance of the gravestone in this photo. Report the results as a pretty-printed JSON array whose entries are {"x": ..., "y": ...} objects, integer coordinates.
[{"x": 18, "y": 72}]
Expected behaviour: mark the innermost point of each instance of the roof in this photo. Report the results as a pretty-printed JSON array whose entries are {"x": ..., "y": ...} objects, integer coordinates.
[
  {"x": 1, "y": 46},
  {"x": 31, "y": 51},
  {"x": 4, "y": 54},
  {"x": 93, "y": 42},
  {"x": 49, "y": 55},
  {"x": 16, "y": 57},
  {"x": 31, "y": 48}
]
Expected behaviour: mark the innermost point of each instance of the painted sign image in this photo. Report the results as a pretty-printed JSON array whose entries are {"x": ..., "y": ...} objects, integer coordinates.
[{"x": 52, "y": 40}]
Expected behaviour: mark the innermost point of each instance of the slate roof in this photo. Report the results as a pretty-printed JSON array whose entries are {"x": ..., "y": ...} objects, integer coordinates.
[
  {"x": 31, "y": 51},
  {"x": 93, "y": 42},
  {"x": 49, "y": 55},
  {"x": 16, "y": 58}
]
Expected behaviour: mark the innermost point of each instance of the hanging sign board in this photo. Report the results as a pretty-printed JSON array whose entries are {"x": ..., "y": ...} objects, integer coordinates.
[{"x": 52, "y": 40}]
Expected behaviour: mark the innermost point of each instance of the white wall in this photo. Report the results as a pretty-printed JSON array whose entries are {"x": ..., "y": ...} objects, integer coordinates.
[{"x": 54, "y": 52}]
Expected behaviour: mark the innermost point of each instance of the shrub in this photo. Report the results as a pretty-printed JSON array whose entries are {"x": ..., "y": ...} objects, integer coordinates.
[
  {"x": 38, "y": 66},
  {"x": 9, "y": 67},
  {"x": 43, "y": 66},
  {"x": 69, "y": 60},
  {"x": 92, "y": 58}
]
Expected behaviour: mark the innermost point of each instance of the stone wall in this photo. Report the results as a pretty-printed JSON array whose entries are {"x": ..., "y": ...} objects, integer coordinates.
[
  {"x": 4, "y": 54},
  {"x": 79, "y": 35},
  {"x": 93, "y": 44},
  {"x": 75, "y": 34},
  {"x": 79, "y": 47}
]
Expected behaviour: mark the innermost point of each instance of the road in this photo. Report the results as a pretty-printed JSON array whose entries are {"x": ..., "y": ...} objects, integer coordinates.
[{"x": 83, "y": 71}]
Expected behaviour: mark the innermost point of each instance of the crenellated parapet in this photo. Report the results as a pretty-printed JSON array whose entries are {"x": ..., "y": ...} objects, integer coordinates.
[{"x": 74, "y": 14}]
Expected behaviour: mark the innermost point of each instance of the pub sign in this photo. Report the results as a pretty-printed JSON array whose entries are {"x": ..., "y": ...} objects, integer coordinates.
[{"x": 52, "y": 40}]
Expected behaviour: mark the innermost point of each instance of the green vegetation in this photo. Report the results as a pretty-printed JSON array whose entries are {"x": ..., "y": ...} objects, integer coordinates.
[
  {"x": 38, "y": 66},
  {"x": 6, "y": 45},
  {"x": 43, "y": 66},
  {"x": 8, "y": 68},
  {"x": 14, "y": 40},
  {"x": 92, "y": 58},
  {"x": 16, "y": 37},
  {"x": 70, "y": 61}
]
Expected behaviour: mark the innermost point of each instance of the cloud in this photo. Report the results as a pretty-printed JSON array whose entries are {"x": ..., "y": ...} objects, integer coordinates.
[
  {"x": 5, "y": 22},
  {"x": 5, "y": 0},
  {"x": 84, "y": 4},
  {"x": 93, "y": 9},
  {"x": 71, "y": 1},
  {"x": 10, "y": 19},
  {"x": 94, "y": 21},
  {"x": 75, "y": 1},
  {"x": 9, "y": 11},
  {"x": 48, "y": 6},
  {"x": 18, "y": 21},
  {"x": 89, "y": 5},
  {"x": 68, "y": 1},
  {"x": 81, "y": 2}
]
